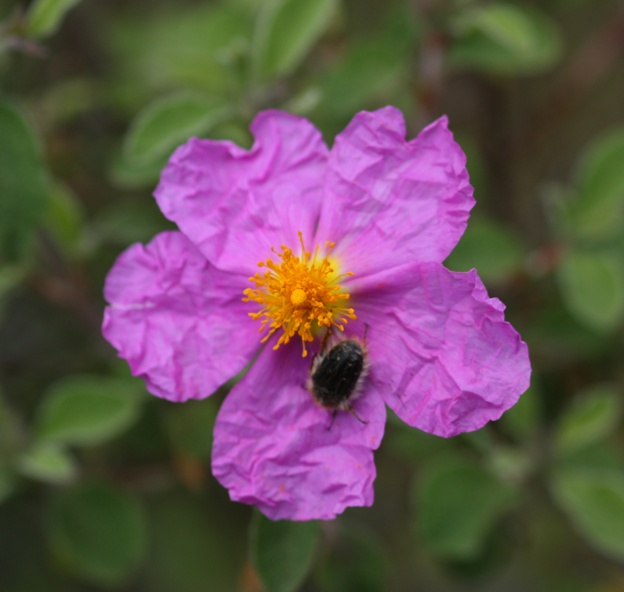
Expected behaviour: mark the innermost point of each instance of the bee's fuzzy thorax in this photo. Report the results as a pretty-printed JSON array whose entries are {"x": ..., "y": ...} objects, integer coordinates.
[{"x": 338, "y": 372}]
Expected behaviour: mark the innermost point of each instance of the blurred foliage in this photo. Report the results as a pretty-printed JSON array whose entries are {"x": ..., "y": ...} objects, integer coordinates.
[
  {"x": 105, "y": 488},
  {"x": 22, "y": 184},
  {"x": 282, "y": 551},
  {"x": 504, "y": 38}
]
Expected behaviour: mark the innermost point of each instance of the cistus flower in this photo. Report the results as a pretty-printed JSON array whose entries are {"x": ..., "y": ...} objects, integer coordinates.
[{"x": 288, "y": 240}]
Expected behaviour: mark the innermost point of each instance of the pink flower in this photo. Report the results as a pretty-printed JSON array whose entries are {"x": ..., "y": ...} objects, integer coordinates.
[{"x": 377, "y": 216}]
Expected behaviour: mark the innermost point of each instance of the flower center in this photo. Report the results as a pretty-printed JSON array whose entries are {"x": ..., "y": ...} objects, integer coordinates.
[{"x": 299, "y": 294}]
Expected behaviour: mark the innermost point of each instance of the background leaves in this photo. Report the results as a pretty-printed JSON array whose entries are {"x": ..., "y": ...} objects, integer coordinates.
[
  {"x": 88, "y": 409},
  {"x": 45, "y": 16},
  {"x": 22, "y": 183},
  {"x": 594, "y": 501},
  {"x": 98, "y": 531},
  {"x": 458, "y": 506},
  {"x": 283, "y": 551},
  {"x": 165, "y": 124},
  {"x": 505, "y": 38},
  {"x": 105, "y": 488},
  {"x": 286, "y": 31}
]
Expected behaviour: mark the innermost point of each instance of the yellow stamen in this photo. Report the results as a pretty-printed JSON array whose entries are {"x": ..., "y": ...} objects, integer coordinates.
[{"x": 299, "y": 295}]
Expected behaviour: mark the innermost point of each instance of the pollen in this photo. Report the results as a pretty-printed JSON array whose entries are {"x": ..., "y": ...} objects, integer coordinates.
[{"x": 299, "y": 294}]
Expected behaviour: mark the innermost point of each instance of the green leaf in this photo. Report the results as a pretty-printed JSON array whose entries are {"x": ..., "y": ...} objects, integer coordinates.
[
  {"x": 523, "y": 419},
  {"x": 598, "y": 212},
  {"x": 490, "y": 248},
  {"x": 369, "y": 71},
  {"x": 172, "y": 47},
  {"x": 10, "y": 278},
  {"x": 355, "y": 559},
  {"x": 600, "y": 455},
  {"x": 594, "y": 502},
  {"x": 22, "y": 183},
  {"x": 165, "y": 124},
  {"x": 65, "y": 220},
  {"x": 98, "y": 531},
  {"x": 506, "y": 39},
  {"x": 415, "y": 446},
  {"x": 197, "y": 542},
  {"x": 592, "y": 286},
  {"x": 458, "y": 506},
  {"x": 556, "y": 336},
  {"x": 47, "y": 462},
  {"x": 283, "y": 551},
  {"x": 286, "y": 31},
  {"x": 594, "y": 416},
  {"x": 45, "y": 16},
  {"x": 190, "y": 427},
  {"x": 8, "y": 483},
  {"x": 88, "y": 409},
  {"x": 132, "y": 175}
]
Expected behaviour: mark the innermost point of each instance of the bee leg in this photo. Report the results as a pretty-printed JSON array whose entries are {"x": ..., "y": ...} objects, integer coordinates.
[
  {"x": 365, "y": 333},
  {"x": 352, "y": 412},
  {"x": 331, "y": 423},
  {"x": 325, "y": 339}
]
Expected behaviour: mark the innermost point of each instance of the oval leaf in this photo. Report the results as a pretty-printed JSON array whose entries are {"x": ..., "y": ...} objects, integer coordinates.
[
  {"x": 47, "y": 462},
  {"x": 598, "y": 212},
  {"x": 368, "y": 72},
  {"x": 592, "y": 286},
  {"x": 287, "y": 30},
  {"x": 356, "y": 560},
  {"x": 490, "y": 248},
  {"x": 198, "y": 46},
  {"x": 88, "y": 409},
  {"x": 22, "y": 183},
  {"x": 98, "y": 531},
  {"x": 505, "y": 38},
  {"x": 283, "y": 551},
  {"x": 594, "y": 502},
  {"x": 65, "y": 221},
  {"x": 594, "y": 417},
  {"x": 458, "y": 506},
  {"x": 166, "y": 123},
  {"x": 45, "y": 16}
]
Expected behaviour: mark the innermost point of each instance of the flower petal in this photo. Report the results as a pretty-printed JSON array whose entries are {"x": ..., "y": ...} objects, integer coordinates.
[
  {"x": 388, "y": 201},
  {"x": 272, "y": 446},
  {"x": 179, "y": 323},
  {"x": 236, "y": 204},
  {"x": 441, "y": 352}
]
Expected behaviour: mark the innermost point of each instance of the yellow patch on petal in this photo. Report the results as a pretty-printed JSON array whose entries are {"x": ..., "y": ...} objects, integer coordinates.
[{"x": 299, "y": 294}]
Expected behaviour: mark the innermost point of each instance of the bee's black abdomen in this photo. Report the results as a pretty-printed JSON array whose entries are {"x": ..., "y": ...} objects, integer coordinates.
[{"x": 335, "y": 378}]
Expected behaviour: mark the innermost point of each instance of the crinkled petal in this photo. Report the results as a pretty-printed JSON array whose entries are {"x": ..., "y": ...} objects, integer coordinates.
[
  {"x": 272, "y": 446},
  {"x": 388, "y": 201},
  {"x": 236, "y": 204},
  {"x": 441, "y": 352},
  {"x": 179, "y": 323}
]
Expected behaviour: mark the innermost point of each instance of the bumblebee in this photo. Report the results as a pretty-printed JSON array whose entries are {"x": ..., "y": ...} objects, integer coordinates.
[{"x": 337, "y": 373}]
